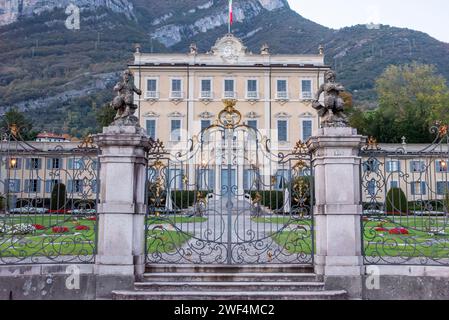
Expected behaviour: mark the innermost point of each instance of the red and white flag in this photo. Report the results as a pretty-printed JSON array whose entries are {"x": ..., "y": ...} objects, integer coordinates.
[{"x": 231, "y": 19}]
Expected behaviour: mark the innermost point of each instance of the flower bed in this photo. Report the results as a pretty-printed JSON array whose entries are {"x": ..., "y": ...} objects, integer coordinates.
[
  {"x": 17, "y": 229},
  {"x": 399, "y": 231},
  {"x": 82, "y": 228},
  {"x": 60, "y": 229}
]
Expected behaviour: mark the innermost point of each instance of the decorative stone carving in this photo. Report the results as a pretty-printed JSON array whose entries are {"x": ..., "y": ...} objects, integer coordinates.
[
  {"x": 282, "y": 115},
  {"x": 193, "y": 49},
  {"x": 229, "y": 48},
  {"x": 252, "y": 115},
  {"x": 332, "y": 111},
  {"x": 124, "y": 101},
  {"x": 175, "y": 114},
  {"x": 206, "y": 115},
  {"x": 306, "y": 115},
  {"x": 265, "y": 49},
  {"x": 151, "y": 114}
]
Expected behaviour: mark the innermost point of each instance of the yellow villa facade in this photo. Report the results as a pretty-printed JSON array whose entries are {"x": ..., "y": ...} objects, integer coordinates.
[{"x": 183, "y": 93}]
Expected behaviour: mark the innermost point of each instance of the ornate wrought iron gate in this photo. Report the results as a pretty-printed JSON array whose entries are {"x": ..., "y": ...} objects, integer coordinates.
[
  {"x": 227, "y": 198},
  {"x": 405, "y": 194},
  {"x": 48, "y": 200}
]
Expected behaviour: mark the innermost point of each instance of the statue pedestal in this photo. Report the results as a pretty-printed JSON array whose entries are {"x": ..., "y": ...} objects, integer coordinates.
[
  {"x": 336, "y": 165},
  {"x": 121, "y": 212}
]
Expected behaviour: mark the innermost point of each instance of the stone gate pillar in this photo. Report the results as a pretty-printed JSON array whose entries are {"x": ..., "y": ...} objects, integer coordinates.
[
  {"x": 336, "y": 163},
  {"x": 121, "y": 235}
]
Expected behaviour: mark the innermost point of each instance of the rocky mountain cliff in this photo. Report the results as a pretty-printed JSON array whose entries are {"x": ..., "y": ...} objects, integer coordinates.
[
  {"x": 46, "y": 67},
  {"x": 13, "y": 10}
]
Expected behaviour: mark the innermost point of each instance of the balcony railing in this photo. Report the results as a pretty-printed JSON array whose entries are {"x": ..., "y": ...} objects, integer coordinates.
[
  {"x": 306, "y": 95},
  {"x": 206, "y": 95},
  {"x": 176, "y": 95},
  {"x": 252, "y": 95},
  {"x": 230, "y": 95},
  {"x": 282, "y": 95},
  {"x": 152, "y": 95}
]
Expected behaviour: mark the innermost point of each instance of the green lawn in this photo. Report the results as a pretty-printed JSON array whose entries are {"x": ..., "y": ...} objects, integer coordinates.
[
  {"x": 418, "y": 243},
  {"x": 294, "y": 242},
  {"x": 282, "y": 220},
  {"x": 164, "y": 241},
  {"x": 45, "y": 242},
  {"x": 77, "y": 243},
  {"x": 175, "y": 220}
]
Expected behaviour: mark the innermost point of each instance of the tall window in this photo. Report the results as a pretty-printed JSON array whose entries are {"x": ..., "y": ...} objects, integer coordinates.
[
  {"x": 176, "y": 88},
  {"x": 14, "y": 185},
  {"x": 418, "y": 188},
  {"x": 205, "y": 124},
  {"x": 250, "y": 179},
  {"x": 282, "y": 131},
  {"x": 152, "y": 89},
  {"x": 306, "y": 129},
  {"x": 32, "y": 186},
  {"x": 49, "y": 185},
  {"x": 442, "y": 187},
  {"x": 283, "y": 178},
  {"x": 206, "y": 181},
  {"x": 76, "y": 164},
  {"x": 417, "y": 166},
  {"x": 306, "y": 89},
  {"x": 151, "y": 128},
  {"x": 252, "y": 92},
  {"x": 54, "y": 163},
  {"x": 441, "y": 166},
  {"x": 33, "y": 163},
  {"x": 75, "y": 186},
  {"x": 175, "y": 130},
  {"x": 252, "y": 124},
  {"x": 281, "y": 89},
  {"x": 229, "y": 88},
  {"x": 393, "y": 166},
  {"x": 206, "y": 88},
  {"x": 252, "y": 135}
]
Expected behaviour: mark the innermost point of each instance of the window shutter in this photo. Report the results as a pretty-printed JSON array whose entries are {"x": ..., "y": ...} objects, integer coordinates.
[
  {"x": 28, "y": 164},
  {"x": 27, "y": 186},
  {"x": 413, "y": 188},
  {"x": 70, "y": 164},
  {"x": 49, "y": 164},
  {"x": 39, "y": 183},
  {"x": 423, "y": 188},
  {"x": 70, "y": 186}
]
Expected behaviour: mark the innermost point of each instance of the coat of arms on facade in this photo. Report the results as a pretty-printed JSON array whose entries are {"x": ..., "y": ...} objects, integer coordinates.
[{"x": 331, "y": 112}]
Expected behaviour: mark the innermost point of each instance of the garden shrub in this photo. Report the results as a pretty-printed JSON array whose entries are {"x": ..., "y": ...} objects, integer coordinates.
[
  {"x": 396, "y": 201},
  {"x": 58, "y": 197}
]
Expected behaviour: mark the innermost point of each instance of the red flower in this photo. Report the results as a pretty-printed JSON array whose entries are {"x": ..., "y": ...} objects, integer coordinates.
[
  {"x": 58, "y": 211},
  {"x": 380, "y": 229},
  {"x": 39, "y": 227},
  {"x": 398, "y": 231},
  {"x": 92, "y": 219},
  {"x": 60, "y": 229},
  {"x": 82, "y": 228}
]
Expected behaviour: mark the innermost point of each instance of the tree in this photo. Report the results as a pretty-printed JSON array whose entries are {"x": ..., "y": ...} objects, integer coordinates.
[
  {"x": 412, "y": 98},
  {"x": 58, "y": 197},
  {"x": 396, "y": 201},
  {"x": 13, "y": 117},
  {"x": 105, "y": 115}
]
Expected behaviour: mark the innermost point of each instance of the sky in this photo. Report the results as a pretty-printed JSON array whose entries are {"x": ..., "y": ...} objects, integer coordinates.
[{"x": 430, "y": 16}]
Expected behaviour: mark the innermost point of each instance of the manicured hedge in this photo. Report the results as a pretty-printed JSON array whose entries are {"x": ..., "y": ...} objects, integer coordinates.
[{"x": 396, "y": 202}]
